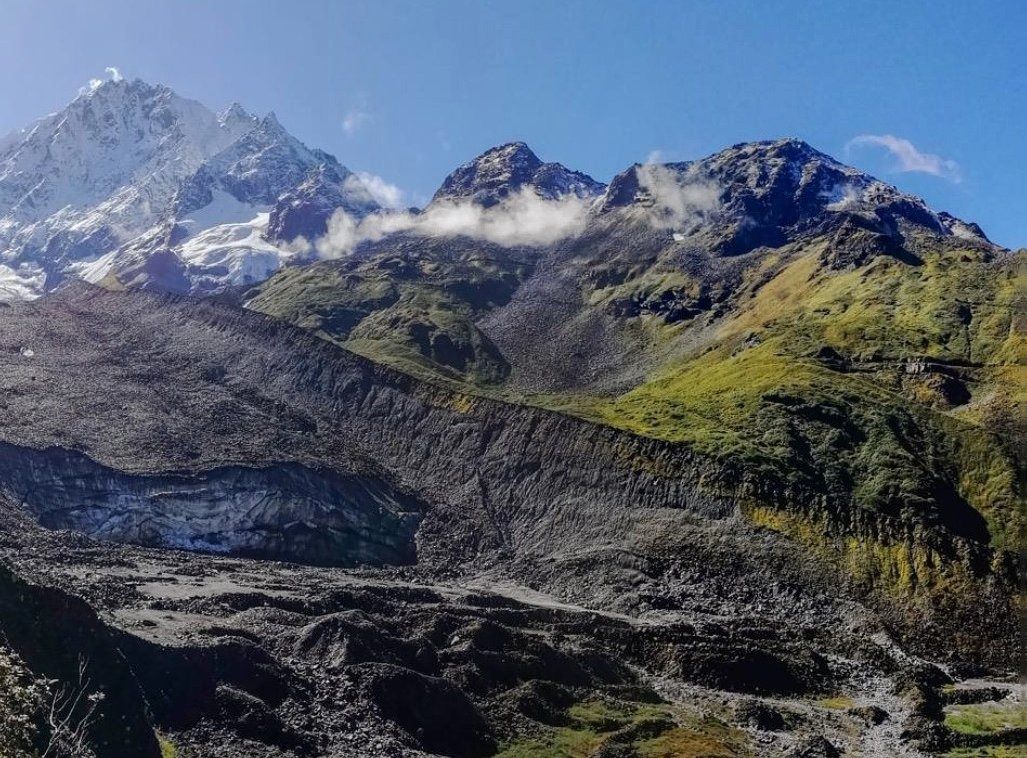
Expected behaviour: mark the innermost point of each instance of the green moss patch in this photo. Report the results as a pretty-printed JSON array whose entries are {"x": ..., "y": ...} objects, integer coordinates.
[
  {"x": 648, "y": 731},
  {"x": 167, "y": 747},
  {"x": 986, "y": 718}
]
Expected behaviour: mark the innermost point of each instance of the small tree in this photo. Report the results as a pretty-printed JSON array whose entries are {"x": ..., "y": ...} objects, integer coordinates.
[{"x": 71, "y": 712}]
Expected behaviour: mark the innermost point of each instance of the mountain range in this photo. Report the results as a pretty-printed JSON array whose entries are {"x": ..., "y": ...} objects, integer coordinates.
[
  {"x": 135, "y": 179},
  {"x": 719, "y": 458}
]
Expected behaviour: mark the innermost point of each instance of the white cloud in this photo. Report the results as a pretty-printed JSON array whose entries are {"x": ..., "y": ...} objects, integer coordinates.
[
  {"x": 521, "y": 219},
  {"x": 908, "y": 157},
  {"x": 844, "y": 197},
  {"x": 354, "y": 120},
  {"x": 680, "y": 199},
  {"x": 385, "y": 194},
  {"x": 92, "y": 86},
  {"x": 113, "y": 75}
]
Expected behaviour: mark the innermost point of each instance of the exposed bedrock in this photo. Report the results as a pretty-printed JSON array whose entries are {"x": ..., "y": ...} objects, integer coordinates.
[{"x": 286, "y": 511}]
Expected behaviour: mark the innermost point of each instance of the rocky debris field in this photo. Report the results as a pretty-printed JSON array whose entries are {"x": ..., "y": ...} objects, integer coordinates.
[{"x": 236, "y": 657}]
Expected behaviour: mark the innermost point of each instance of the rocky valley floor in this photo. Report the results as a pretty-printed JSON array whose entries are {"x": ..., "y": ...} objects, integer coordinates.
[{"x": 240, "y": 657}]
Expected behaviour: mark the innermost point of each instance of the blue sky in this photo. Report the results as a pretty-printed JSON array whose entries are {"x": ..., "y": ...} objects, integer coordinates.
[{"x": 408, "y": 90}]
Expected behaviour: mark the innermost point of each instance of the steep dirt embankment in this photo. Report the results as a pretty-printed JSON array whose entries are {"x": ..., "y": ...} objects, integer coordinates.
[
  {"x": 196, "y": 393},
  {"x": 157, "y": 385}
]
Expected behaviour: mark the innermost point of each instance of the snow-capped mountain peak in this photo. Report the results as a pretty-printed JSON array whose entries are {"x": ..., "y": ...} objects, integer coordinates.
[
  {"x": 234, "y": 115},
  {"x": 125, "y": 158}
]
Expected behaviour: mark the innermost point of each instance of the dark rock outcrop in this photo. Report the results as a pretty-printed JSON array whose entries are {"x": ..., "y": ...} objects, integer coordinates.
[
  {"x": 436, "y": 712},
  {"x": 508, "y": 169}
]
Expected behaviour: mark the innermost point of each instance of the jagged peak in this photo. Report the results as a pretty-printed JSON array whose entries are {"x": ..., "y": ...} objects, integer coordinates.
[
  {"x": 510, "y": 157},
  {"x": 99, "y": 89},
  {"x": 509, "y": 151},
  {"x": 269, "y": 130},
  {"x": 792, "y": 145},
  {"x": 770, "y": 186},
  {"x": 270, "y": 121},
  {"x": 235, "y": 112},
  {"x": 506, "y": 169},
  {"x": 515, "y": 146},
  {"x": 788, "y": 151},
  {"x": 754, "y": 164},
  {"x": 967, "y": 230}
]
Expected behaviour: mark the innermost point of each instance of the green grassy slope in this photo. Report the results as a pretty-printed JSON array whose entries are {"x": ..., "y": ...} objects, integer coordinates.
[
  {"x": 897, "y": 387},
  {"x": 413, "y": 307},
  {"x": 879, "y": 380}
]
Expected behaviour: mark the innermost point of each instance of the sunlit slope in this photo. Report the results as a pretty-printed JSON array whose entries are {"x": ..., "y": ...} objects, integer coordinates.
[
  {"x": 883, "y": 380},
  {"x": 896, "y": 390},
  {"x": 413, "y": 305}
]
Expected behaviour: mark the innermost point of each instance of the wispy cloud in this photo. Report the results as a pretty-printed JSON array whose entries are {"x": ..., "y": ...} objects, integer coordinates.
[
  {"x": 680, "y": 199},
  {"x": 113, "y": 75},
  {"x": 354, "y": 120},
  {"x": 92, "y": 86},
  {"x": 907, "y": 156},
  {"x": 385, "y": 194},
  {"x": 522, "y": 219}
]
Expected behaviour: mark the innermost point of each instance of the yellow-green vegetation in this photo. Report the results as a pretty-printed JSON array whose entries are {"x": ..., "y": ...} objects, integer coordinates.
[
  {"x": 836, "y": 703},
  {"x": 641, "y": 283},
  {"x": 564, "y": 743},
  {"x": 651, "y": 731},
  {"x": 992, "y": 751},
  {"x": 954, "y": 306},
  {"x": 817, "y": 378},
  {"x": 703, "y": 738},
  {"x": 413, "y": 308},
  {"x": 707, "y": 402},
  {"x": 167, "y": 747},
  {"x": 986, "y": 718},
  {"x": 814, "y": 375},
  {"x": 898, "y": 569}
]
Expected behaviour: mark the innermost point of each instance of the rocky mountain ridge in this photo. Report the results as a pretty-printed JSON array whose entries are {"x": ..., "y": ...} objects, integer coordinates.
[
  {"x": 134, "y": 181},
  {"x": 770, "y": 192},
  {"x": 505, "y": 170}
]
